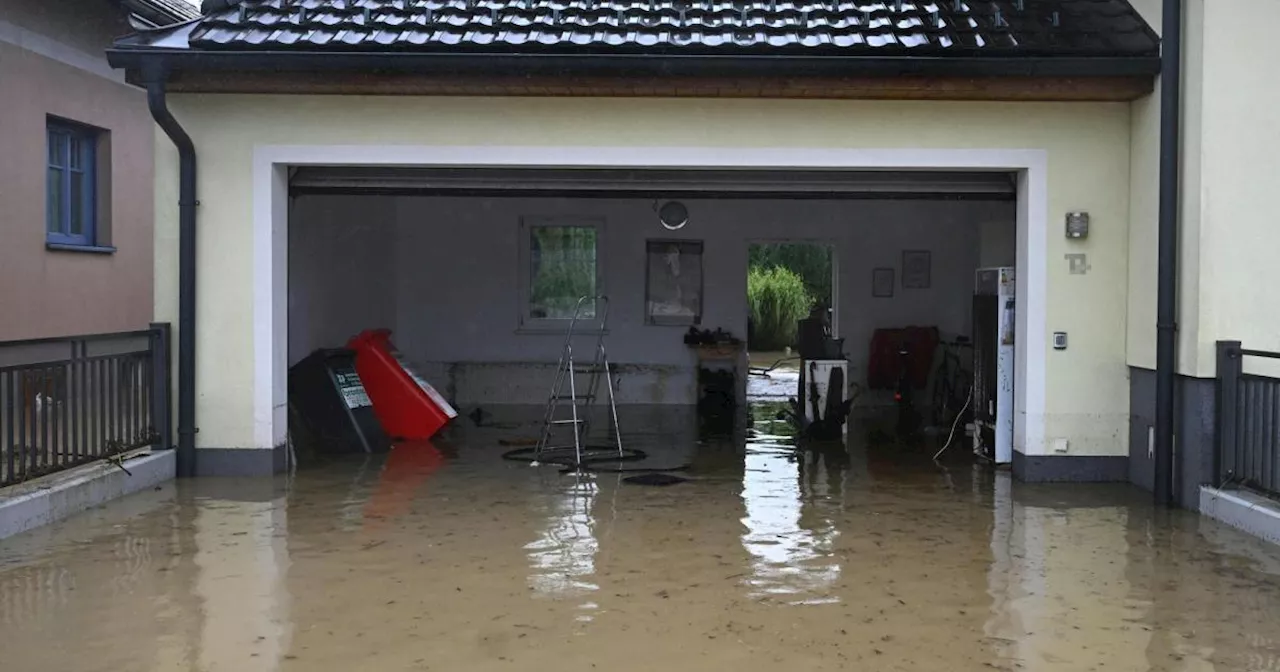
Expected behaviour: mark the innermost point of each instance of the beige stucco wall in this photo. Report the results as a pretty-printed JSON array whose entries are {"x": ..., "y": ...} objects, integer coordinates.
[
  {"x": 1229, "y": 178},
  {"x": 1240, "y": 179},
  {"x": 1144, "y": 211},
  {"x": 47, "y": 293},
  {"x": 1088, "y": 168}
]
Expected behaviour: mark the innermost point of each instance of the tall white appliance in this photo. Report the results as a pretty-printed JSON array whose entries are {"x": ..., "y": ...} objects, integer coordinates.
[{"x": 994, "y": 323}]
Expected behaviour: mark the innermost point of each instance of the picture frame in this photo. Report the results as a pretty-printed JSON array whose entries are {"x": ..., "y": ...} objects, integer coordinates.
[
  {"x": 882, "y": 282},
  {"x": 916, "y": 269},
  {"x": 673, "y": 282}
]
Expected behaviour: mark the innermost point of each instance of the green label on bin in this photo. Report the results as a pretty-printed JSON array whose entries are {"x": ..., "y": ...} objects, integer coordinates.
[{"x": 351, "y": 389}]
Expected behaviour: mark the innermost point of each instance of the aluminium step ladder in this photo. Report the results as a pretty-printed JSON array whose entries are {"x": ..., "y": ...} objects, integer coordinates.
[{"x": 565, "y": 392}]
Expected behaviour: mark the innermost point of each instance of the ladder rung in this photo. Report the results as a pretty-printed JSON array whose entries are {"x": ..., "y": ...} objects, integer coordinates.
[
  {"x": 580, "y": 397},
  {"x": 566, "y": 422}
]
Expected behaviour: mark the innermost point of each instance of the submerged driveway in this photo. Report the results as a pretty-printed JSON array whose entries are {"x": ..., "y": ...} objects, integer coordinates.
[{"x": 765, "y": 559}]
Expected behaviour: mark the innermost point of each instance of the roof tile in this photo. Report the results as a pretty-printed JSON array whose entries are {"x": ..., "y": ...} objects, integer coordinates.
[{"x": 988, "y": 27}]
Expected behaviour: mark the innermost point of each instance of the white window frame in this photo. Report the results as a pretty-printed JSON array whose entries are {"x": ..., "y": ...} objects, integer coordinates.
[{"x": 527, "y": 323}]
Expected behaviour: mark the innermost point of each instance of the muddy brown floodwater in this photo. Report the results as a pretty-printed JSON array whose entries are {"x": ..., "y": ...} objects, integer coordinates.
[{"x": 766, "y": 559}]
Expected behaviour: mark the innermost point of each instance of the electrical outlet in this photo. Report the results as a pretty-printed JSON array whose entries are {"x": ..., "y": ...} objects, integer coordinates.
[{"x": 1059, "y": 445}]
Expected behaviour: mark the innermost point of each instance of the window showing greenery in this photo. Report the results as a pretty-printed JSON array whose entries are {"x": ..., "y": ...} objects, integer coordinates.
[
  {"x": 562, "y": 270},
  {"x": 785, "y": 283},
  {"x": 810, "y": 261}
]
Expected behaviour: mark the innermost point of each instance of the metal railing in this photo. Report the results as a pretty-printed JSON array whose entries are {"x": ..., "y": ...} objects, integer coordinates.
[
  {"x": 1248, "y": 421},
  {"x": 74, "y": 400}
]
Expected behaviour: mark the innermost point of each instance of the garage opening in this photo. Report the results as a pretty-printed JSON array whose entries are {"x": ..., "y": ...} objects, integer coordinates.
[{"x": 477, "y": 273}]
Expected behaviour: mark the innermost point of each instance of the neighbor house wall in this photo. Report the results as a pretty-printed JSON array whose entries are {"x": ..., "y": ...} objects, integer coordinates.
[
  {"x": 1086, "y": 146},
  {"x": 1230, "y": 156},
  {"x": 52, "y": 64},
  {"x": 1227, "y": 231},
  {"x": 457, "y": 277},
  {"x": 1240, "y": 175}
]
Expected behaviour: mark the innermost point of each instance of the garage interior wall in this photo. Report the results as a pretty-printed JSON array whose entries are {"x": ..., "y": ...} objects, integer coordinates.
[{"x": 444, "y": 274}]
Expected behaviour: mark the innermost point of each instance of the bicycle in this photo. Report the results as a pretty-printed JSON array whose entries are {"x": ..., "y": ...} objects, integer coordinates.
[{"x": 952, "y": 383}]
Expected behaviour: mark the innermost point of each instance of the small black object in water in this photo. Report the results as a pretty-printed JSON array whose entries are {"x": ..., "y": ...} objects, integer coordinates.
[{"x": 654, "y": 479}]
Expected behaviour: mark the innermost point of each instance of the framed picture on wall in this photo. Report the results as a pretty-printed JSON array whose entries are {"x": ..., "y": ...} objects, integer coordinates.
[
  {"x": 915, "y": 269},
  {"x": 882, "y": 283},
  {"x": 673, "y": 283}
]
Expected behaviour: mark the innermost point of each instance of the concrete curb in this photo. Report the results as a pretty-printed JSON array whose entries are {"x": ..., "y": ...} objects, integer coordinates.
[
  {"x": 57, "y": 496},
  {"x": 1243, "y": 510}
]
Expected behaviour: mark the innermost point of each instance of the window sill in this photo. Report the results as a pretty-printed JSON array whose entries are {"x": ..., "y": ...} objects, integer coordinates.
[
  {"x": 72, "y": 247},
  {"x": 583, "y": 328}
]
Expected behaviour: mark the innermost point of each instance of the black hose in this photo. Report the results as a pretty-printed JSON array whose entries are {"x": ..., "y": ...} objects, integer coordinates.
[{"x": 589, "y": 463}]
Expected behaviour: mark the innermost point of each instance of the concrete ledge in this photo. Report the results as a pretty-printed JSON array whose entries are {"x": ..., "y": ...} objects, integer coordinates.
[
  {"x": 57, "y": 496},
  {"x": 1070, "y": 468},
  {"x": 1243, "y": 510}
]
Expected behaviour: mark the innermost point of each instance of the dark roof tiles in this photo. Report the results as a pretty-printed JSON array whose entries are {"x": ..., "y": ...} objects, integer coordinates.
[{"x": 939, "y": 27}]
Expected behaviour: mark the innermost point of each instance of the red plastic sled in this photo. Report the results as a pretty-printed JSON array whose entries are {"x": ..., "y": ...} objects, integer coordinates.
[{"x": 408, "y": 407}]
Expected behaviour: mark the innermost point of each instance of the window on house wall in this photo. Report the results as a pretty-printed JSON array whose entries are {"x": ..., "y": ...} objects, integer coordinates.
[
  {"x": 560, "y": 267},
  {"x": 71, "y": 202}
]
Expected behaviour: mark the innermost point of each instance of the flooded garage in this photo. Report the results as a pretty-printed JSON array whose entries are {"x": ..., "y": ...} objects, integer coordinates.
[{"x": 764, "y": 556}]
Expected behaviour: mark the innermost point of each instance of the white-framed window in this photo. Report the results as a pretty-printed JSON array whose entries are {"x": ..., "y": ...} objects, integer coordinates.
[{"x": 559, "y": 265}]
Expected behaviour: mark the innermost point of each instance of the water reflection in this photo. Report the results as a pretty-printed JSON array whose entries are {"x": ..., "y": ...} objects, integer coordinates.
[
  {"x": 1061, "y": 595},
  {"x": 407, "y": 469},
  {"x": 563, "y": 557},
  {"x": 241, "y": 558},
  {"x": 792, "y": 556},
  {"x": 495, "y": 566},
  {"x": 362, "y": 483}
]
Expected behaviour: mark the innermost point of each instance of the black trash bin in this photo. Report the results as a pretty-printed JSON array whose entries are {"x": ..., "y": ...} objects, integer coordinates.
[{"x": 331, "y": 413}]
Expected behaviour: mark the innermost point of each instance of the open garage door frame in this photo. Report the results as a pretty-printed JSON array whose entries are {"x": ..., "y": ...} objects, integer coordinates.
[
  {"x": 274, "y": 164},
  {"x": 656, "y": 183}
]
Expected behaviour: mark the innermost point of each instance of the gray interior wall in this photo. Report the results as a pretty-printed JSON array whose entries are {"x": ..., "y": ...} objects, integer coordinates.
[
  {"x": 997, "y": 242},
  {"x": 342, "y": 275},
  {"x": 452, "y": 266}
]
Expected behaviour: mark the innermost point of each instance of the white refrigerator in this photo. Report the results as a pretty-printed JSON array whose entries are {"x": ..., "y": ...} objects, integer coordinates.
[{"x": 994, "y": 323}]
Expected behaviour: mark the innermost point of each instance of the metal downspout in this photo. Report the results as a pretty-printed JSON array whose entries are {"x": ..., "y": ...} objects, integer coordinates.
[
  {"x": 1167, "y": 283},
  {"x": 186, "y": 273}
]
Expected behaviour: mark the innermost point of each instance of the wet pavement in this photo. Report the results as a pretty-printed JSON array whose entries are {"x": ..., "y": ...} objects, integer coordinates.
[{"x": 768, "y": 558}]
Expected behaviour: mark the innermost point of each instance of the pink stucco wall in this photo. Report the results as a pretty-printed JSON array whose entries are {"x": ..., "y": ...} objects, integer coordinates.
[{"x": 53, "y": 293}]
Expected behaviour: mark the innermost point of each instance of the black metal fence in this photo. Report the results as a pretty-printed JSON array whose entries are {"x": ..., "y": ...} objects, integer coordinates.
[
  {"x": 1248, "y": 421},
  {"x": 70, "y": 401}
]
